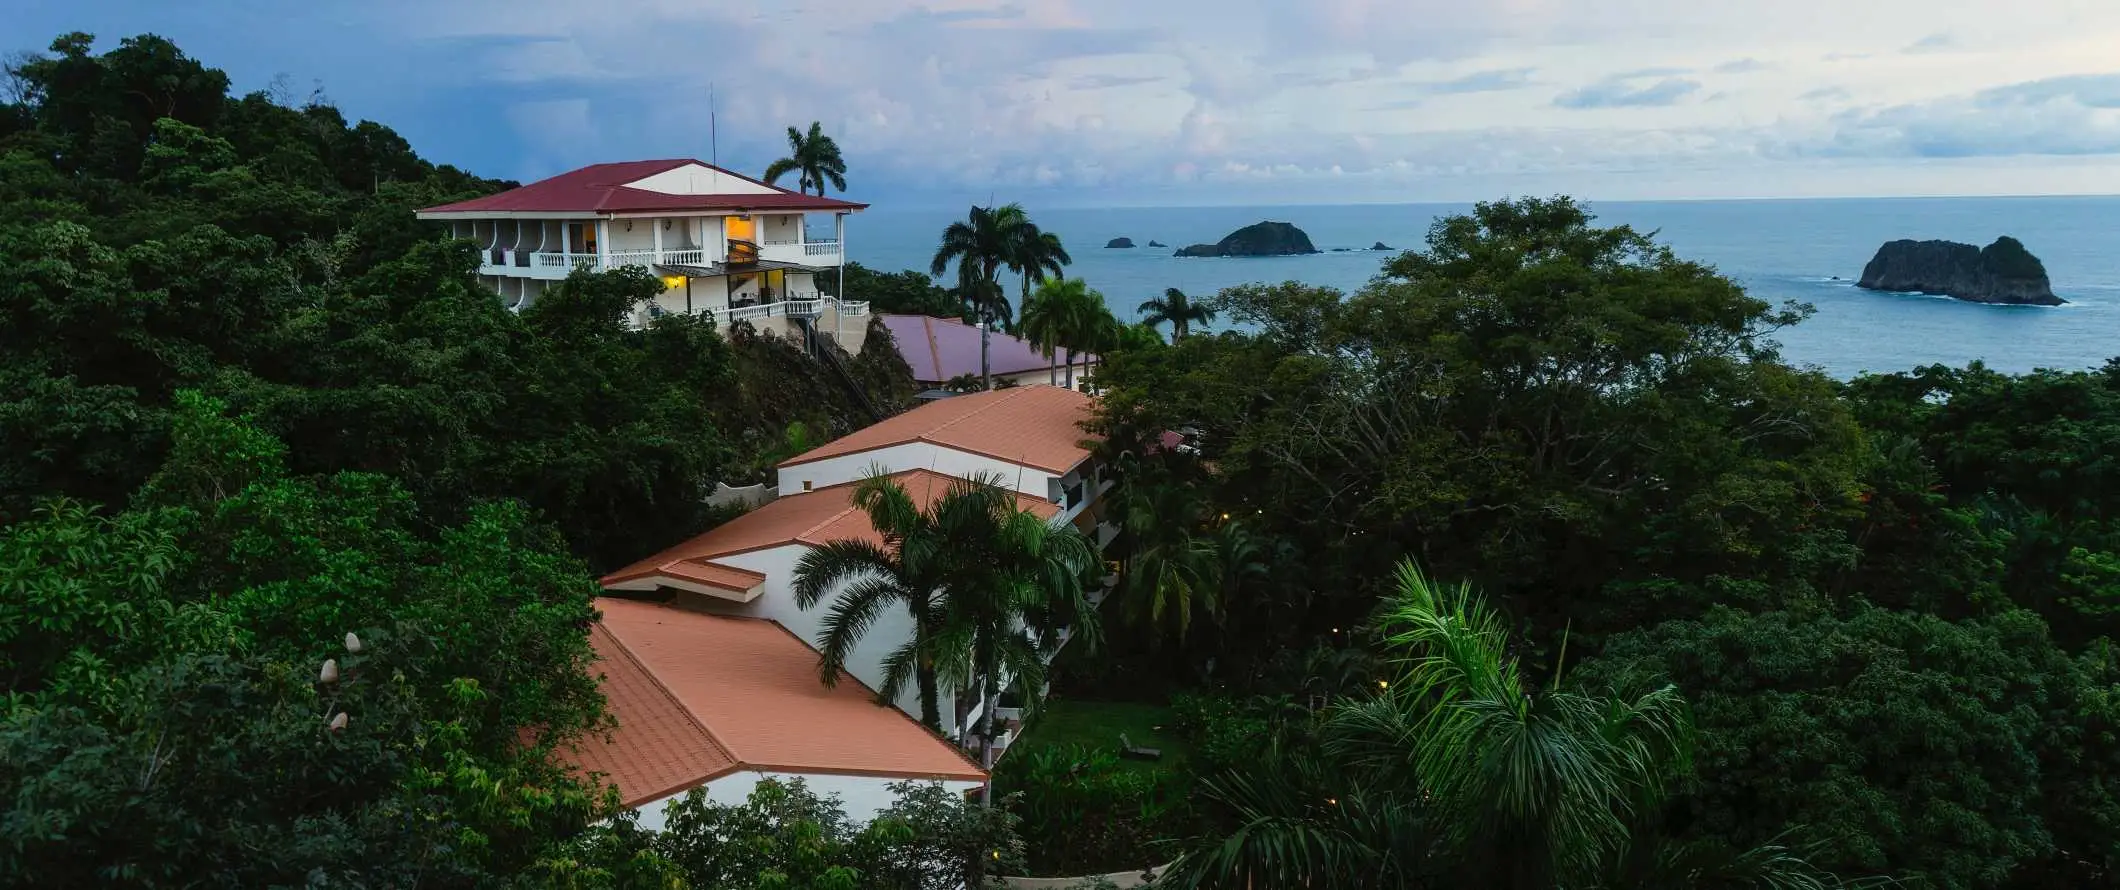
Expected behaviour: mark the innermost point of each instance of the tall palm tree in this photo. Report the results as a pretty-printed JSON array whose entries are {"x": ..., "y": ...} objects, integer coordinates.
[
  {"x": 1029, "y": 585},
  {"x": 815, "y": 156},
  {"x": 980, "y": 245},
  {"x": 911, "y": 569},
  {"x": 1065, "y": 312},
  {"x": 1177, "y": 309},
  {"x": 1034, "y": 254},
  {"x": 1460, "y": 771},
  {"x": 1093, "y": 331},
  {"x": 1041, "y": 325}
]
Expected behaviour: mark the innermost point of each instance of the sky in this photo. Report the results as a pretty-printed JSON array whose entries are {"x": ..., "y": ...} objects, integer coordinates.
[{"x": 1191, "y": 102}]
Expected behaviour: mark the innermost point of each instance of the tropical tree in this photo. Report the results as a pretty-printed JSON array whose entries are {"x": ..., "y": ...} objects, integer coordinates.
[
  {"x": 911, "y": 569},
  {"x": 1023, "y": 593},
  {"x": 980, "y": 245},
  {"x": 1179, "y": 310},
  {"x": 815, "y": 157},
  {"x": 1041, "y": 325},
  {"x": 1034, "y": 253},
  {"x": 1460, "y": 769}
]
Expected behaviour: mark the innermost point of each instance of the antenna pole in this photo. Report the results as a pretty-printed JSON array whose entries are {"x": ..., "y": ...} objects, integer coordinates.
[{"x": 713, "y": 137}]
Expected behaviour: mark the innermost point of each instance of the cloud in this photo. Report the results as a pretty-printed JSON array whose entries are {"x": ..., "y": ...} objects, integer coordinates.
[
  {"x": 1934, "y": 43},
  {"x": 1491, "y": 81},
  {"x": 1628, "y": 91},
  {"x": 2053, "y": 117},
  {"x": 1088, "y": 99},
  {"x": 1108, "y": 81},
  {"x": 1743, "y": 66}
]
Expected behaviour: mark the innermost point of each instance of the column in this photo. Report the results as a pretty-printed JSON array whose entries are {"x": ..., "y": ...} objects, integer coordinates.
[
  {"x": 839, "y": 231},
  {"x": 656, "y": 224},
  {"x": 603, "y": 245}
]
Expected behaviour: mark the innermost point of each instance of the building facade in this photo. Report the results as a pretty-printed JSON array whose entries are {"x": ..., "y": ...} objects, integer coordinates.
[
  {"x": 1028, "y": 438},
  {"x": 723, "y": 244}
]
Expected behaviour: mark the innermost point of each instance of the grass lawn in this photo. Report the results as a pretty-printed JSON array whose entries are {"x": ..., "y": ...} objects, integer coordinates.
[{"x": 1097, "y": 724}]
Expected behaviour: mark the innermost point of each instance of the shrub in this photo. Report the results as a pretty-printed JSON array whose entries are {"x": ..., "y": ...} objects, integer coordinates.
[{"x": 1083, "y": 811}]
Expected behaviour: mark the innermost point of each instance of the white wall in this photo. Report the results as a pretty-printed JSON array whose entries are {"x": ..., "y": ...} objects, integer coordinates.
[
  {"x": 641, "y": 238},
  {"x": 780, "y": 227},
  {"x": 698, "y": 179},
  {"x": 913, "y": 456},
  {"x": 862, "y": 797}
]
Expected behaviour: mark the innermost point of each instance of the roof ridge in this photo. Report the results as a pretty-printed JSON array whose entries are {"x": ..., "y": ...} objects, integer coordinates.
[
  {"x": 667, "y": 692},
  {"x": 1002, "y": 397},
  {"x": 927, "y": 324},
  {"x": 805, "y": 533}
]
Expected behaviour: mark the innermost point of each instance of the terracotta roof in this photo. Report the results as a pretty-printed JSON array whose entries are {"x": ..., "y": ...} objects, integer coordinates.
[
  {"x": 939, "y": 349},
  {"x": 1035, "y": 426},
  {"x": 658, "y": 748},
  {"x": 813, "y": 517},
  {"x": 603, "y": 188},
  {"x": 750, "y": 689}
]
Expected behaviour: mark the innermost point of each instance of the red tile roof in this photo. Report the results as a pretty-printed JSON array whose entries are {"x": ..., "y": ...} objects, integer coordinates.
[
  {"x": 699, "y": 696},
  {"x": 814, "y": 518},
  {"x": 602, "y": 188},
  {"x": 658, "y": 748},
  {"x": 1036, "y": 426}
]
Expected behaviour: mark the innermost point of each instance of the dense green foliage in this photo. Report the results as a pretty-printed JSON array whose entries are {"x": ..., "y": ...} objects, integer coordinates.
[
  {"x": 297, "y": 525},
  {"x": 256, "y": 416},
  {"x": 1852, "y": 583},
  {"x": 786, "y": 837},
  {"x": 165, "y": 721},
  {"x": 905, "y": 293}
]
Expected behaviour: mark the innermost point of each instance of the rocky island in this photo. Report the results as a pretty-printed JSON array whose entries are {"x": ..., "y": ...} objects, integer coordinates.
[
  {"x": 1119, "y": 242},
  {"x": 2002, "y": 273},
  {"x": 1154, "y": 243},
  {"x": 1257, "y": 239}
]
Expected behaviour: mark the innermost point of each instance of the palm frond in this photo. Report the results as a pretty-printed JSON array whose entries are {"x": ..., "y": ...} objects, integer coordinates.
[{"x": 859, "y": 605}]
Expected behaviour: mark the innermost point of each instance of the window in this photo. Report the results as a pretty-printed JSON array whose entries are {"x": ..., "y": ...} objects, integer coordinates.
[{"x": 805, "y": 485}]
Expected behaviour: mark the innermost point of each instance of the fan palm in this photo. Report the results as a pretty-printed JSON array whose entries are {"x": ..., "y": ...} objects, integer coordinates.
[
  {"x": 1177, "y": 309},
  {"x": 815, "y": 156},
  {"x": 910, "y": 569}
]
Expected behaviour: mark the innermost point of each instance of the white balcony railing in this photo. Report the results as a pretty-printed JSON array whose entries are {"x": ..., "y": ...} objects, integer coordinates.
[
  {"x": 692, "y": 256},
  {"x": 824, "y": 248},
  {"x": 618, "y": 258},
  {"x": 852, "y": 308}
]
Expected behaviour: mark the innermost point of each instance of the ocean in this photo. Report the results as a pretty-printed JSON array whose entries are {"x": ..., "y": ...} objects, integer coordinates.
[{"x": 1778, "y": 249}]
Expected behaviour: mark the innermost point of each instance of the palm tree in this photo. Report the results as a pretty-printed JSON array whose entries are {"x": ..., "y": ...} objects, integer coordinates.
[
  {"x": 912, "y": 567},
  {"x": 1093, "y": 330},
  {"x": 815, "y": 156},
  {"x": 1028, "y": 587},
  {"x": 1169, "y": 571},
  {"x": 1177, "y": 309},
  {"x": 1063, "y": 316},
  {"x": 1460, "y": 771},
  {"x": 980, "y": 244},
  {"x": 1041, "y": 325},
  {"x": 1034, "y": 253}
]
